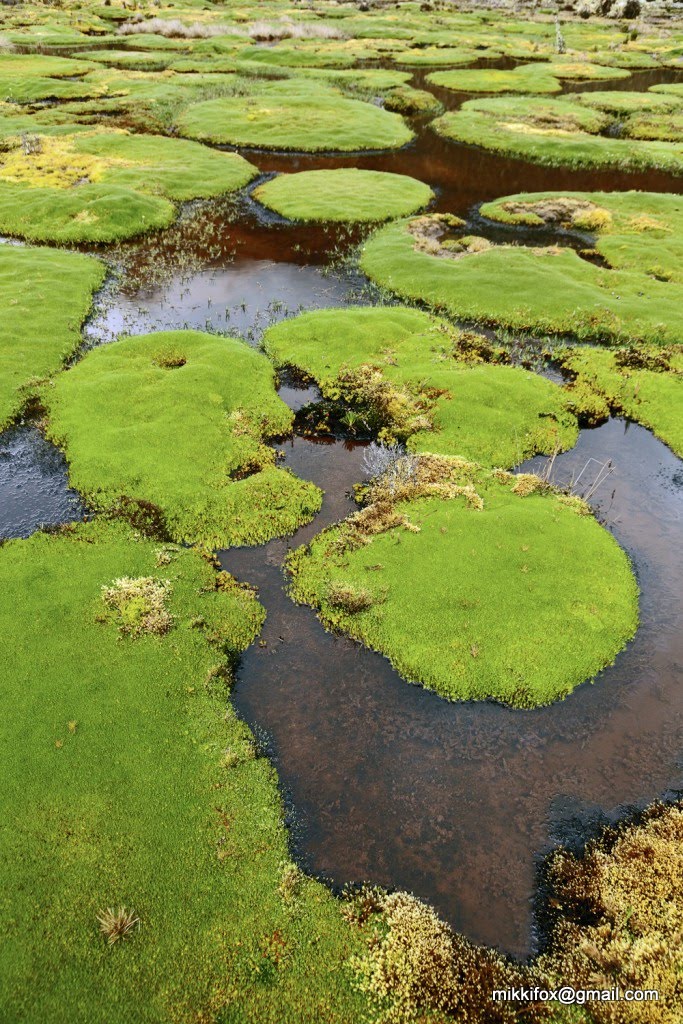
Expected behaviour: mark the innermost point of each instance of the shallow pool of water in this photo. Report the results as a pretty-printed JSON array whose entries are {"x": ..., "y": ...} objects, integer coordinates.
[{"x": 458, "y": 802}]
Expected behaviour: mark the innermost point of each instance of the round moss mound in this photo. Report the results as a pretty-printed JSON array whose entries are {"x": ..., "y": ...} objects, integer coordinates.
[
  {"x": 483, "y": 585},
  {"x": 563, "y": 131},
  {"x": 104, "y": 186},
  {"x": 298, "y": 115},
  {"x": 415, "y": 378},
  {"x": 176, "y": 423},
  {"x": 347, "y": 194}
]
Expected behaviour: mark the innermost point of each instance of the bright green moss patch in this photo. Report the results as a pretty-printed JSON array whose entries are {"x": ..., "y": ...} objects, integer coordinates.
[
  {"x": 636, "y": 296},
  {"x": 561, "y": 131},
  {"x": 347, "y": 194},
  {"x": 28, "y": 78},
  {"x": 102, "y": 186},
  {"x": 406, "y": 375},
  {"x": 476, "y": 585},
  {"x": 534, "y": 78},
  {"x": 127, "y": 782},
  {"x": 44, "y": 296},
  {"x": 542, "y": 77},
  {"x": 93, "y": 213},
  {"x": 290, "y": 114},
  {"x": 643, "y": 384},
  {"x": 180, "y": 419}
]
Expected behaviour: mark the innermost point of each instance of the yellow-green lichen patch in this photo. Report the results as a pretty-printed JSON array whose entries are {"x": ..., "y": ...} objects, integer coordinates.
[
  {"x": 636, "y": 295},
  {"x": 414, "y": 378},
  {"x": 44, "y": 296},
  {"x": 178, "y": 420},
  {"x": 128, "y": 782},
  {"x": 472, "y": 571},
  {"x": 102, "y": 186},
  {"x": 346, "y": 194},
  {"x": 299, "y": 115}
]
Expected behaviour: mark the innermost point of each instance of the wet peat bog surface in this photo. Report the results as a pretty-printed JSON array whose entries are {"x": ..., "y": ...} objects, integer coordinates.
[
  {"x": 457, "y": 802},
  {"x": 387, "y": 782}
]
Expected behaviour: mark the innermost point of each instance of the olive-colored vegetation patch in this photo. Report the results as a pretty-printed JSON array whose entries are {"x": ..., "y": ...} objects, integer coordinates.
[
  {"x": 619, "y": 917},
  {"x": 103, "y": 186},
  {"x": 644, "y": 384},
  {"x": 410, "y": 377},
  {"x": 617, "y": 920},
  {"x": 466, "y": 574},
  {"x": 545, "y": 77},
  {"x": 128, "y": 783},
  {"x": 636, "y": 296},
  {"x": 44, "y": 297},
  {"x": 179, "y": 419},
  {"x": 560, "y": 131},
  {"x": 301, "y": 115},
  {"x": 346, "y": 194}
]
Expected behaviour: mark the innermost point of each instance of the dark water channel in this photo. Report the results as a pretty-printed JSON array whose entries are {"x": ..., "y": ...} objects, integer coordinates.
[
  {"x": 456, "y": 802},
  {"x": 388, "y": 783}
]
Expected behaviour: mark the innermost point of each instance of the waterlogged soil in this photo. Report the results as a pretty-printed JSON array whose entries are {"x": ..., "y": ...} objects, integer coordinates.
[{"x": 387, "y": 783}]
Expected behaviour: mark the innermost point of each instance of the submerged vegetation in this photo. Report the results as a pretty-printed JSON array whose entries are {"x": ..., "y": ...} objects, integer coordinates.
[{"x": 146, "y": 867}]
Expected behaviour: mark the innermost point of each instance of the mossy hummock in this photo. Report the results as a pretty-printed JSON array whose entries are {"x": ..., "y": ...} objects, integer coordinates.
[
  {"x": 129, "y": 782},
  {"x": 45, "y": 296},
  {"x": 636, "y": 295},
  {"x": 179, "y": 419},
  {"x": 644, "y": 384},
  {"x": 477, "y": 585},
  {"x": 564, "y": 131},
  {"x": 103, "y": 186},
  {"x": 347, "y": 194},
  {"x": 298, "y": 115},
  {"x": 408, "y": 373}
]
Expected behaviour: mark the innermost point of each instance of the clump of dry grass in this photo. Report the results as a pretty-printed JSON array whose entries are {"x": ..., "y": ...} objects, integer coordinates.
[
  {"x": 116, "y": 925},
  {"x": 138, "y": 605},
  {"x": 350, "y": 599},
  {"x": 172, "y": 28},
  {"x": 285, "y": 28}
]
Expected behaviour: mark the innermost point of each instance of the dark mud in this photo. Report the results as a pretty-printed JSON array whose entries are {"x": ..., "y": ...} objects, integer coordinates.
[{"x": 458, "y": 802}]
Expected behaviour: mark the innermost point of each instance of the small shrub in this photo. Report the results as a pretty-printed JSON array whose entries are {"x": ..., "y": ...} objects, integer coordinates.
[{"x": 116, "y": 925}]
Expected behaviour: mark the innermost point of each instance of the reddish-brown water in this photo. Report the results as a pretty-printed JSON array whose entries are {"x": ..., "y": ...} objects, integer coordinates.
[{"x": 456, "y": 802}]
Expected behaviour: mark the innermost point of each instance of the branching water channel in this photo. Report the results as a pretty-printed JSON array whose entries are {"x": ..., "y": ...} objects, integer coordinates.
[{"x": 385, "y": 781}]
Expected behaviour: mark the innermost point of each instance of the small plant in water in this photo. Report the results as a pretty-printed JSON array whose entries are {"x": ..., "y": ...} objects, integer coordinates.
[{"x": 117, "y": 924}]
